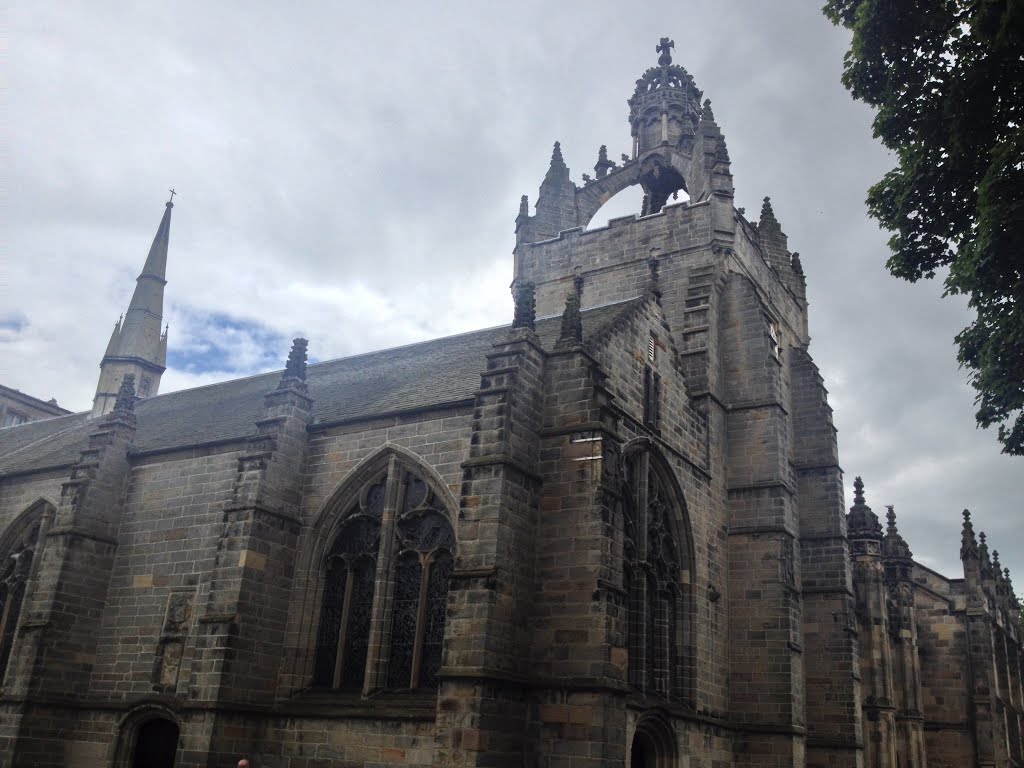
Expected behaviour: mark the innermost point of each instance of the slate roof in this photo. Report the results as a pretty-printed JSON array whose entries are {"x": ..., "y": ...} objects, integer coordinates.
[{"x": 403, "y": 379}]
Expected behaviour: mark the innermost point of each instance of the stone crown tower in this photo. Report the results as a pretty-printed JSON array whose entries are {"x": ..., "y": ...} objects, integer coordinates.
[{"x": 138, "y": 346}]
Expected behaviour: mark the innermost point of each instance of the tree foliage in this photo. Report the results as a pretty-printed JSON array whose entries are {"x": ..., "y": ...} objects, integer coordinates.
[{"x": 947, "y": 80}]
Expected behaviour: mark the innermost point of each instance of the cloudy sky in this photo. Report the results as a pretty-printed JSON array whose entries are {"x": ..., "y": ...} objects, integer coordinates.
[{"x": 351, "y": 172}]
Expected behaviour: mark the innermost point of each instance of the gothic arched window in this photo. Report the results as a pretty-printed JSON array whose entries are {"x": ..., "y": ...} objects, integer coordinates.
[
  {"x": 14, "y": 572},
  {"x": 652, "y": 581},
  {"x": 388, "y": 568}
]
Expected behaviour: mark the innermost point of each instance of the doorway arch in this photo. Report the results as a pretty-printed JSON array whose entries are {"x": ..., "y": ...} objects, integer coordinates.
[
  {"x": 156, "y": 744},
  {"x": 150, "y": 737},
  {"x": 653, "y": 745}
]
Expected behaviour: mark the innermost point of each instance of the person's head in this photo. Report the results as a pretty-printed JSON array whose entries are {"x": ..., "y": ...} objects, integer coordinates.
[{"x": 243, "y": 763}]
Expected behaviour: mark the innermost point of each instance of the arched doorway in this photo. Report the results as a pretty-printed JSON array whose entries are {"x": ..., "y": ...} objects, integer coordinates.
[
  {"x": 156, "y": 743},
  {"x": 642, "y": 754},
  {"x": 654, "y": 743}
]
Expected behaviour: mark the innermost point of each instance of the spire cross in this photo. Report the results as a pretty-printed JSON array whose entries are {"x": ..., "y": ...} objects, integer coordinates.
[
  {"x": 664, "y": 48},
  {"x": 173, "y": 193}
]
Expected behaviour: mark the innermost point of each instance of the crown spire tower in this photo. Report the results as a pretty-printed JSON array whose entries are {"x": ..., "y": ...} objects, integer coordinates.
[{"x": 138, "y": 345}]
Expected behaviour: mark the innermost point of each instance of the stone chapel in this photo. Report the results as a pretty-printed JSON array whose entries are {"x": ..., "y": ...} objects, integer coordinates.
[{"x": 611, "y": 533}]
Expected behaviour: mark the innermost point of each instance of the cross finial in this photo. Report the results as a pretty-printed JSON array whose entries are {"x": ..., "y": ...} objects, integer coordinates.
[
  {"x": 173, "y": 193},
  {"x": 665, "y": 49}
]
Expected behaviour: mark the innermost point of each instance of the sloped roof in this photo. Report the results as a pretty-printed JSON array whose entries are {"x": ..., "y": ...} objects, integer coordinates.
[{"x": 403, "y": 379}]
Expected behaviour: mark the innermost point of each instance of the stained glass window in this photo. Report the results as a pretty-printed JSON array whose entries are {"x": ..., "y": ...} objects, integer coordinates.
[{"x": 413, "y": 596}]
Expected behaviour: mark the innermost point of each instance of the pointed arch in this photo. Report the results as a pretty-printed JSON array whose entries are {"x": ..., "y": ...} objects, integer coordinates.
[
  {"x": 658, "y": 570},
  {"x": 375, "y": 570},
  {"x": 19, "y": 561},
  {"x": 654, "y": 743},
  {"x": 146, "y": 722}
]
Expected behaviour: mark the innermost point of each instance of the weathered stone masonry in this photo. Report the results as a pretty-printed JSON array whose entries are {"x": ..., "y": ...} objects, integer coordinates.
[{"x": 612, "y": 533}]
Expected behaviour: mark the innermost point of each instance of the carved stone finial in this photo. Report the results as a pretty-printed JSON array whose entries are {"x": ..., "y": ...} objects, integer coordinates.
[
  {"x": 586, "y": 178},
  {"x": 125, "y": 401},
  {"x": 526, "y": 305},
  {"x": 556, "y": 154},
  {"x": 577, "y": 284},
  {"x": 295, "y": 368},
  {"x": 665, "y": 49},
  {"x": 572, "y": 322},
  {"x": 895, "y": 545},
  {"x": 967, "y": 541},
  {"x": 995, "y": 563},
  {"x": 625, "y": 157},
  {"x": 862, "y": 520},
  {"x": 524, "y": 206},
  {"x": 603, "y": 164},
  {"x": 706, "y": 113},
  {"x": 983, "y": 549},
  {"x": 796, "y": 264},
  {"x": 766, "y": 210}
]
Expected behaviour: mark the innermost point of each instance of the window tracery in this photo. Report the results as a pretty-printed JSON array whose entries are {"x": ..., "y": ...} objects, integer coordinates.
[
  {"x": 14, "y": 573},
  {"x": 652, "y": 567},
  {"x": 389, "y": 567}
]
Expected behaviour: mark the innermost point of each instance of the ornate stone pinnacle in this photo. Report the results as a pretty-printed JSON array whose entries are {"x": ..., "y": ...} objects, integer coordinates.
[
  {"x": 890, "y": 519},
  {"x": 665, "y": 49},
  {"x": 125, "y": 401},
  {"x": 295, "y": 368},
  {"x": 556, "y": 154},
  {"x": 603, "y": 164},
  {"x": 526, "y": 305},
  {"x": 983, "y": 548},
  {"x": 796, "y": 264},
  {"x": 862, "y": 520},
  {"x": 766, "y": 210},
  {"x": 524, "y": 206},
  {"x": 995, "y": 562},
  {"x": 706, "y": 113},
  {"x": 572, "y": 322},
  {"x": 967, "y": 540}
]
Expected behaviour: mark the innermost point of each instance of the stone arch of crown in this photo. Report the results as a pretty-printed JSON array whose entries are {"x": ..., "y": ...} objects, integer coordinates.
[
  {"x": 316, "y": 541},
  {"x": 593, "y": 196},
  {"x": 128, "y": 726}
]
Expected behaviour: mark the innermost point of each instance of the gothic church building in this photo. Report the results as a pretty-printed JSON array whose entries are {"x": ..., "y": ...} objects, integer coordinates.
[{"x": 611, "y": 533}]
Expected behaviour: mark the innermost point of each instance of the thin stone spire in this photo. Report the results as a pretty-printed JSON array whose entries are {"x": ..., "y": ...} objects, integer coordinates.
[
  {"x": 138, "y": 344},
  {"x": 556, "y": 154}
]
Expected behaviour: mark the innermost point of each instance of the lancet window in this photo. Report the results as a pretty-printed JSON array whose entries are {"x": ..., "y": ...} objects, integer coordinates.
[
  {"x": 14, "y": 572},
  {"x": 388, "y": 568},
  {"x": 653, "y": 570}
]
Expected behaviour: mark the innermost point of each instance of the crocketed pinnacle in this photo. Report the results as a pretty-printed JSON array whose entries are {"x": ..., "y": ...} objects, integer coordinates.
[
  {"x": 894, "y": 544},
  {"x": 125, "y": 402},
  {"x": 524, "y": 206},
  {"x": 706, "y": 113},
  {"x": 556, "y": 154},
  {"x": 295, "y": 368},
  {"x": 525, "y": 305},
  {"x": 572, "y": 322},
  {"x": 968, "y": 544},
  {"x": 767, "y": 214},
  {"x": 861, "y": 520}
]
